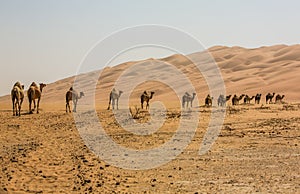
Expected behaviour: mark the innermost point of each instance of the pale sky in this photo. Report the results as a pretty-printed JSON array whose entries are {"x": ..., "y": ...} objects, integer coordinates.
[{"x": 45, "y": 40}]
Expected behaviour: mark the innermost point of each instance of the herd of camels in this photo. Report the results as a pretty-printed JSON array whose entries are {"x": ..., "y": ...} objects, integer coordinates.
[{"x": 35, "y": 92}]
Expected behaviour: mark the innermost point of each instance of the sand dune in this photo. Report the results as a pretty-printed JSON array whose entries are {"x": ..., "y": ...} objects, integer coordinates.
[{"x": 250, "y": 71}]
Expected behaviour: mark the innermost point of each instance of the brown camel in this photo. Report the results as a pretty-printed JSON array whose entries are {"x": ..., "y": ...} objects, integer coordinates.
[
  {"x": 33, "y": 93},
  {"x": 247, "y": 99},
  {"x": 186, "y": 98},
  {"x": 257, "y": 98},
  {"x": 279, "y": 98},
  {"x": 146, "y": 98},
  {"x": 269, "y": 97},
  {"x": 114, "y": 96},
  {"x": 72, "y": 95},
  {"x": 208, "y": 100},
  {"x": 17, "y": 97},
  {"x": 228, "y": 97},
  {"x": 235, "y": 100}
]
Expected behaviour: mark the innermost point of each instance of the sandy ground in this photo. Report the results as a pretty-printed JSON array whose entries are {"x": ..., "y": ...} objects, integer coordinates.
[{"x": 256, "y": 151}]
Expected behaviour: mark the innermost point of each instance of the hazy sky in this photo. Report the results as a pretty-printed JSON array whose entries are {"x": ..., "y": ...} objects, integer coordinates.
[{"x": 45, "y": 40}]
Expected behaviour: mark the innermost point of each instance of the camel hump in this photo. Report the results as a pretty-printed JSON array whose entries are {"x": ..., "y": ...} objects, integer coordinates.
[
  {"x": 186, "y": 93},
  {"x": 18, "y": 84},
  {"x": 33, "y": 84}
]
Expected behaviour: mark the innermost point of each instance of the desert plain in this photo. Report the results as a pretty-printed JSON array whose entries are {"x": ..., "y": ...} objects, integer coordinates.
[{"x": 257, "y": 149}]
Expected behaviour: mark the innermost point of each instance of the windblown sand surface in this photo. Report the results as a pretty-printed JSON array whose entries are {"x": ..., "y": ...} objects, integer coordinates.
[{"x": 256, "y": 151}]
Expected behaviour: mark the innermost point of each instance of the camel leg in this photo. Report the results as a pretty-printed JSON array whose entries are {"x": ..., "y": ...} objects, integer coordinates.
[
  {"x": 13, "y": 103},
  {"x": 109, "y": 103},
  {"x": 68, "y": 107},
  {"x": 38, "y": 104},
  {"x": 142, "y": 105},
  {"x": 147, "y": 106},
  {"x": 75, "y": 105},
  {"x": 117, "y": 103},
  {"x": 30, "y": 111},
  {"x": 18, "y": 108},
  {"x": 20, "y": 105},
  {"x": 113, "y": 104},
  {"x": 34, "y": 105}
]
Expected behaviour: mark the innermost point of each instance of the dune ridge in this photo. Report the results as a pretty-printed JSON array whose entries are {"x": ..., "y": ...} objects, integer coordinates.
[{"x": 250, "y": 71}]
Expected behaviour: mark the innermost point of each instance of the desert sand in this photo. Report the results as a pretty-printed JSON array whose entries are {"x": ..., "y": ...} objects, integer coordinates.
[{"x": 257, "y": 149}]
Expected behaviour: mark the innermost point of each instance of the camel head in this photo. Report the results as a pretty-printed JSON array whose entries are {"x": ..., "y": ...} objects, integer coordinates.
[
  {"x": 194, "y": 94},
  {"x": 81, "y": 94},
  {"x": 120, "y": 93},
  {"x": 152, "y": 93},
  {"x": 42, "y": 85}
]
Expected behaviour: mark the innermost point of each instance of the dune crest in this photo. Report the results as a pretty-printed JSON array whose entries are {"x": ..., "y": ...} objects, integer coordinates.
[{"x": 259, "y": 70}]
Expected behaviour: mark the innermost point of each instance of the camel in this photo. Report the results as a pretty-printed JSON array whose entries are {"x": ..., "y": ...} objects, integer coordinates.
[
  {"x": 33, "y": 93},
  {"x": 146, "y": 98},
  {"x": 257, "y": 98},
  {"x": 208, "y": 101},
  {"x": 279, "y": 98},
  {"x": 17, "y": 97},
  {"x": 186, "y": 98},
  {"x": 72, "y": 95},
  {"x": 114, "y": 96},
  {"x": 228, "y": 97},
  {"x": 247, "y": 99},
  {"x": 222, "y": 100},
  {"x": 235, "y": 100},
  {"x": 269, "y": 97}
]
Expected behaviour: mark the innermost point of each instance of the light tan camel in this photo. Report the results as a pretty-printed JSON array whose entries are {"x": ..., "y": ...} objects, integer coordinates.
[
  {"x": 279, "y": 98},
  {"x": 222, "y": 100},
  {"x": 33, "y": 93},
  {"x": 269, "y": 98},
  {"x": 145, "y": 97},
  {"x": 235, "y": 100},
  {"x": 186, "y": 98},
  {"x": 113, "y": 97},
  {"x": 17, "y": 97},
  {"x": 247, "y": 99},
  {"x": 257, "y": 98},
  {"x": 72, "y": 95},
  {"x": 208, "y": 100}
]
